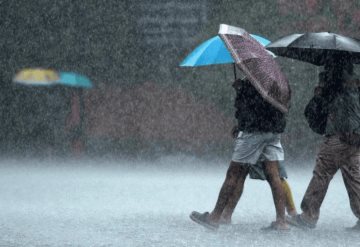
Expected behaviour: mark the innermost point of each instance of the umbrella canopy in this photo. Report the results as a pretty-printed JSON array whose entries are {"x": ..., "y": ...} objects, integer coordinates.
[
  {"x": 214, "y": 51},
  {"x": 36, "y": 77},
  {"x": 316, "y": 48},
  {"x": 74, "y": 80},
  {"x": 258, "y": 65}
]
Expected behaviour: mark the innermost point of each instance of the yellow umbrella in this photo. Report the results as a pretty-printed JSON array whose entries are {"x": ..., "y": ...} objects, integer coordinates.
[{"x": 36, "y": 77}]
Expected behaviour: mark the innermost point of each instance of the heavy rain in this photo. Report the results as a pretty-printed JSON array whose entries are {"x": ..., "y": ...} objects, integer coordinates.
[{"x": 115, "y": 129}]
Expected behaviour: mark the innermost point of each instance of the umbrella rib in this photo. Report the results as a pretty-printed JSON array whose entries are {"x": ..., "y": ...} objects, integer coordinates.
[{"x": 232, "y": 51}]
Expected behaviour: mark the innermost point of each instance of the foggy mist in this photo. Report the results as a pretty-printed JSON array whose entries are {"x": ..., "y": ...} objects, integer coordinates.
[{"x": 125, "y": 162}]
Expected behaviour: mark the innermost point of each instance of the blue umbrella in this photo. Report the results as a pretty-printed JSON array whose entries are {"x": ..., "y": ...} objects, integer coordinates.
[
  {"x": 214, "y": 51},
  {"x": 78, "y": 81},
  {"x": 74, "y": 80}
]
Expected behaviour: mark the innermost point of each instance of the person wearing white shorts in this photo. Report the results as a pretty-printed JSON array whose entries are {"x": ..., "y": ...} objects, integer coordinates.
[
  {"x": 253, "y": 147},
  {"x": 260, "y": 126}
]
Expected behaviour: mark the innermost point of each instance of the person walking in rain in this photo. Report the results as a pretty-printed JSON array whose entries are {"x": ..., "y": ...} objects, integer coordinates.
[
  {"x": 337, "y": 101},
  {"x": 257, "y": 171},
  {"x": 260, "y": 126}
]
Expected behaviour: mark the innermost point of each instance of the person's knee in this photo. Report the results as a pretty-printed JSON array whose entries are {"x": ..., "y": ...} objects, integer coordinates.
[
  {"x": 322, "y": 176},
  {"x": 274, "y": 181},
  {"x": 272, "y": 170},
  {"x": 231, "y": 174},
  {"x": 235, "y": 171}
]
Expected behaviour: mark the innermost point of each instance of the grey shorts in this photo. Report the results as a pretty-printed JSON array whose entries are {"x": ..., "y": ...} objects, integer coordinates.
[
  {"x": 253, "y": 147},
  {"x": 257, "y": 171}
]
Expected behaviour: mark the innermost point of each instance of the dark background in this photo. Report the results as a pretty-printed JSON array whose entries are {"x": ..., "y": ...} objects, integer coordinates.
[{"x": 132, "y": 48}]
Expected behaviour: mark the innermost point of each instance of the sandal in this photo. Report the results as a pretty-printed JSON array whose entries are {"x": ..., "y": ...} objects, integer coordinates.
[
  {"x": 203, "y": 219},
  {"x": 299, "y": 221}
]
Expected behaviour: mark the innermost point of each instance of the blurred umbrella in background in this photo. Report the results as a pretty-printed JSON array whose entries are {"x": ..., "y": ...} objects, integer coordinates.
[
  {"x": 214, "y": 51},
  {"x": 258, "y": 65},
  {"x": 75, "y": 121},
  {"x": 37, "y": 103},
  {"x": 316, "y": 48},
  {"x": 36, "y": 77},
  {"x": 74, "y": 80}
]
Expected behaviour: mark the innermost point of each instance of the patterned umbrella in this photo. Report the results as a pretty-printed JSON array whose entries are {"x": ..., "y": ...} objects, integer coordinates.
[{"x": 258, "y": 65}]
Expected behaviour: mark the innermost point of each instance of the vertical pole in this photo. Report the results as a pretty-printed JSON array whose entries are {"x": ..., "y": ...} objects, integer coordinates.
[
  {"x": 82, "y": 119},
  {"x": 234, "y": 70}
]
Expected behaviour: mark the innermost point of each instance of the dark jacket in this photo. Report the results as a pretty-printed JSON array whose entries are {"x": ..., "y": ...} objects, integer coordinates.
[
  {"x": 344, "y": 110},
  {"x": 253, "y": 113},
  {"x": 316, "y": 113},
  {"x": 335, "y": 108}
]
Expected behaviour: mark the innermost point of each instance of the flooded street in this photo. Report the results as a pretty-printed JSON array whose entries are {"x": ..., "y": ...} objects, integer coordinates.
[{"x": 129, "y": 203}]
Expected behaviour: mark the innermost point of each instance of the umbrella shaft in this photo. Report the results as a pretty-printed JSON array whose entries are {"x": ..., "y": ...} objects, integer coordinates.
[{"x": 234, "y": 71}]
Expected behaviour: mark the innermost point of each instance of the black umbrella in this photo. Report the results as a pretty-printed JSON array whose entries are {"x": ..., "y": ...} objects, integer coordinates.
[{"x": 316, "y": 48}]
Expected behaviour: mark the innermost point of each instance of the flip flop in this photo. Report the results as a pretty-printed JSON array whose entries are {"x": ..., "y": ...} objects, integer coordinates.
[
  {"x": 300, "y": 222},
  {"x": 203, "y": 219}
]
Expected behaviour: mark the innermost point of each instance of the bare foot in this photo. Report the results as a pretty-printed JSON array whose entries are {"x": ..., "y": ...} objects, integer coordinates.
[
  {"x": 292, "y": 213},
  {"x": 225, "y": 221},
  {"x": 277, "y": 226}
]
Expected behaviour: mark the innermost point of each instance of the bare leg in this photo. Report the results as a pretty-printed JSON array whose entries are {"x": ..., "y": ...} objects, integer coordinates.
[
  {"x": 235, "y": 197},
  {"x": 230, "y": 185},
  {"x": 272, "y": 172}
]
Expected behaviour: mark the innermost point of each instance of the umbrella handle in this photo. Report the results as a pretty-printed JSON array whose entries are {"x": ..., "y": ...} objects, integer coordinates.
[{"x": 234, "y": 71}]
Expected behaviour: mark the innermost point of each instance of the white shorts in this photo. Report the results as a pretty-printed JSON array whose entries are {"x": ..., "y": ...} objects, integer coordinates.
[{"x": 253, "y": 147}]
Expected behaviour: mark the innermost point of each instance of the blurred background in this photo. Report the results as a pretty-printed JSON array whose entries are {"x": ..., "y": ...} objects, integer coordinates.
[{"x": 142, "y": 103}]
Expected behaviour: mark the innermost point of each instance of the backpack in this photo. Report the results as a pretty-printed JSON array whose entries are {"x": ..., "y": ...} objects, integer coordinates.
[{"x": 316, "y": 113}]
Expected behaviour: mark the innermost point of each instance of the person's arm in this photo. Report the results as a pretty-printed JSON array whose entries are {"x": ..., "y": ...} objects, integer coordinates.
[
  {"x": 318, "y": 90},
  {"x": 235, "y": 131}
]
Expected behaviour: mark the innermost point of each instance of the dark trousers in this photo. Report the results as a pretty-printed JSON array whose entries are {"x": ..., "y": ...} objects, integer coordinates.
[{"x": 333, "y": 155}]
